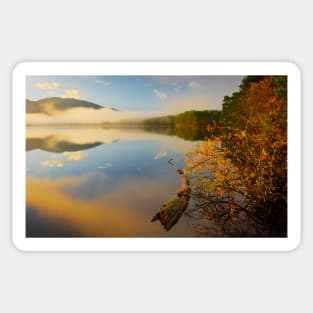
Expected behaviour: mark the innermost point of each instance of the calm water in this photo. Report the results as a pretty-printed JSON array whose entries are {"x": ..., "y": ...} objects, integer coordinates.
[{"x": 101, "y": 182}]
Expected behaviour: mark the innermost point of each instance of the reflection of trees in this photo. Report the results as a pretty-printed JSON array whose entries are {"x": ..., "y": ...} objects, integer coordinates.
[
  {"x": 162, "y": 129},
  {"x": 186, "y": 132},
  {"x": 191, "y": 132},
  {"x": 239, "y": 181}
]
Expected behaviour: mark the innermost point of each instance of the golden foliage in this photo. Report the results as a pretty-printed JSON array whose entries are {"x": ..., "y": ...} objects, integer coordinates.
[{"x": 244, "y": 169}]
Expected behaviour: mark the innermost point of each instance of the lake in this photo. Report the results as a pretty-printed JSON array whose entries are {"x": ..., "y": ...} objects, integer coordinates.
[{"x": 101, "y": 182}]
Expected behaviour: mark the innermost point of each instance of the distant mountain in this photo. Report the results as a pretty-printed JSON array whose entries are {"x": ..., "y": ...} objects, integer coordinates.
[{"x": 50, "y": 105}]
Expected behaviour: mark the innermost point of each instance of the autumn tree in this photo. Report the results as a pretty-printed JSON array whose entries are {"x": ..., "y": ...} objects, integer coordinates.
[{"x": 240, "y": 177}]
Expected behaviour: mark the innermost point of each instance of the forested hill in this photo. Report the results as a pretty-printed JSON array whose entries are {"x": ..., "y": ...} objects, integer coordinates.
[
  {"x": 189, "y": 125},
  {"x": 191, "y": 118},
  {"x": 49, "y": 106}
]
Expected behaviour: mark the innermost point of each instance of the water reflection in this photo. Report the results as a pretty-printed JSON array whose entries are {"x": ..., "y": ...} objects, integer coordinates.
[
  {"x": 97, "y": 182},
  {"x": 57, "y": 144},
  {"x": 187, "y": 133}
]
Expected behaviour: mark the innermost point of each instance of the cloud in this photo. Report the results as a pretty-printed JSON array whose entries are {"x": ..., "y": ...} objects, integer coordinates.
[
  {"x": 160, "y": 155},
  {"x": 193, "y": 84},
  {"x": 85, "y": 115},
  {"x": 104, "y": 82},
  {"x": 72, "y": 93},
  {"x": 47, "y": 85},
  {"x": 52, "y": 87},
  {"x": 161, "y": 95}
]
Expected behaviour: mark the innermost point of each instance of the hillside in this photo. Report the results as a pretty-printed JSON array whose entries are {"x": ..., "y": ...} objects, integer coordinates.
[{"x": 49, "y": 106}]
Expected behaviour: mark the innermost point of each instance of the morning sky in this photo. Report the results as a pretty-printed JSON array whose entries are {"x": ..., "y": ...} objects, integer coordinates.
[{"x": 138, "y": 93}]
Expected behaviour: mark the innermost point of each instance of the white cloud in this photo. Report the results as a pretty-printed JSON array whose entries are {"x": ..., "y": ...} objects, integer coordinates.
[
  {"x": 85, "y": 115},
  {"x": 47, "y": 85},
  {"x": 72, "y": 93},
  {"x": 193, "y": 84},
  {"x": 161, "y": 95},
  {"x": 104, "y": 82},
  {"x": 55, "y": 87}
]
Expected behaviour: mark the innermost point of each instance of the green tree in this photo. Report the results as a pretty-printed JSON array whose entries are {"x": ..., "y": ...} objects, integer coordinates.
[{"x": 189, "y": 125}]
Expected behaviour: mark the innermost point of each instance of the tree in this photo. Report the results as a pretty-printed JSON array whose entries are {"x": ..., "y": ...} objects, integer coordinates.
[{"x": 239, "y": 179}]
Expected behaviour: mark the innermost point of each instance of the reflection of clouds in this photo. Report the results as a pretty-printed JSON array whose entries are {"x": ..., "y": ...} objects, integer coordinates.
[
  {"x": 52, "y": 163},
  {"x": 69, "y": 157},
  {"x": 103, "y": 82},
  {"x": 75, "y": 156},
  {"x": 105, "y": 205},
  {"x": 124, "y": 210},
  {"x": 106, "y": 165},
  {"x": 160, "y": 155}
]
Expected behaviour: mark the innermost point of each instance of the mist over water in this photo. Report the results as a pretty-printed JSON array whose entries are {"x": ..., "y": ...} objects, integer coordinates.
[
  {"x": 48, "y": 111},
  {"x": 85, "y": 116}
]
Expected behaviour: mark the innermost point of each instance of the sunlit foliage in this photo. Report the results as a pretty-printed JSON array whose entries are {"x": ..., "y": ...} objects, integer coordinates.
[{"x": 240, "y": 176}]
